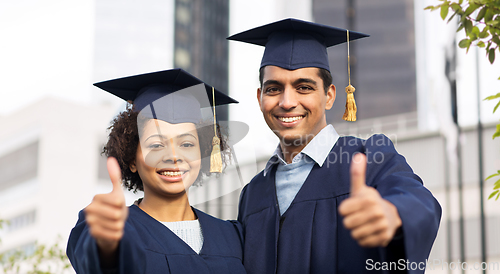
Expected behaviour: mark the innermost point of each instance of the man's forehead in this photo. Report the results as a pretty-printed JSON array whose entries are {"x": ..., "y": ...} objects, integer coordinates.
[{"x": 274, "y": 73}]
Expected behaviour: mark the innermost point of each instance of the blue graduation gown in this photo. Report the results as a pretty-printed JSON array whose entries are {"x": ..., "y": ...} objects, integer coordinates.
[
  {"x": 150, "y": 247},
  {"x": 310, "y": 236}
]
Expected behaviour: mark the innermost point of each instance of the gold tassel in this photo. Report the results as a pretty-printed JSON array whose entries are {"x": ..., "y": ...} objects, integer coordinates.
[
  {"x": 350, "y": 105},
  {"x": 215, "y": 157}
]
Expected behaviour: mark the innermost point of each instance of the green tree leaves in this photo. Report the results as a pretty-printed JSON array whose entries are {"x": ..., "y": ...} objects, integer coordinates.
[
  {"x": 481, "y": 14},
  {"x": 480, "y": 19},
  {"x": 482, "y": 30},
  {"x": 44, "y": 260},
  {"x": 496, "y": 186},
  {"x": 497, "y": 132},
  {"x": 464, "y": 43},
  {"x": 444, "y": 11},
  {"x": 491, "y": 55}
]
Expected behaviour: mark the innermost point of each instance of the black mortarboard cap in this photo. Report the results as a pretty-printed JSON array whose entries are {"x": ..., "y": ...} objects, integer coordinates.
[
  {"x": 292, "y": 44},
  {"x": 174, "y": 96}
]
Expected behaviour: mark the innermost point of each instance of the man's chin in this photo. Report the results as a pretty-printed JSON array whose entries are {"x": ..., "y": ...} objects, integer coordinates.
[{"x": 295, "y": 140}]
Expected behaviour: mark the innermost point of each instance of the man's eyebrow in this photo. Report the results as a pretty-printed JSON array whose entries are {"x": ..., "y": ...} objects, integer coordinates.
[
  {"x": 305, "y": 80},
  {"x": 271, "y": 82}
]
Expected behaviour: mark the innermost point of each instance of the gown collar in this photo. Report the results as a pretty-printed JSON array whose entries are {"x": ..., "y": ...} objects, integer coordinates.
[{"x": 317, "y": 149}]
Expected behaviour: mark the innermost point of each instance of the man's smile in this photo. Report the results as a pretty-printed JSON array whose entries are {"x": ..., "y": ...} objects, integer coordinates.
[{"x": 290, "y": 119}]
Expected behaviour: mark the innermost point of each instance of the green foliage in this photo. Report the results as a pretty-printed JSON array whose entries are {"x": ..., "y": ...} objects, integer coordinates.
[
  {"x": 480, "y": 19},
  {"x": 496, "y": 186},
  {"x": 44, "y": 260},
  {"x": 493, "y": 97}
]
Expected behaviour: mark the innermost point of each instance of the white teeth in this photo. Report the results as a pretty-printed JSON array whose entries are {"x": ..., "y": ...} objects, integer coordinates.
[
  {"x": 171, "y": 173},
  {"x": 290, "y": 119}
]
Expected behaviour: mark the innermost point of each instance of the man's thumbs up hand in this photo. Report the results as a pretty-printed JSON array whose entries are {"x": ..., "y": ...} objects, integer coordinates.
[
  {"x": 358, "y": 174},
  {"x": 107, "y": 213},
  {"x": 372, "y": 220}
]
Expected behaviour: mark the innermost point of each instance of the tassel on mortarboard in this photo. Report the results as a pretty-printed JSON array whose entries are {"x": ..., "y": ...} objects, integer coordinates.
[
  {"x": 215, "y": 157},
  {"x": 350, "y": 104}
]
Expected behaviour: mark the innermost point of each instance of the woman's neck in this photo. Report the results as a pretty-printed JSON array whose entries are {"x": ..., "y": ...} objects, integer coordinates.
[{"x": 172, "y": 209}]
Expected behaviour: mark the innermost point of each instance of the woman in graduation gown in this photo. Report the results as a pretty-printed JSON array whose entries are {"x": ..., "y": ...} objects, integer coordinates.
[{"x": 160, "y": 147}]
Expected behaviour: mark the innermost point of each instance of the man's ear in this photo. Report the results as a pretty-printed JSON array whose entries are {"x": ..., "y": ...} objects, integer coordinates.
[
  {"x": 259, "y": 93},
  {"x": 331, "y": 94},
  {"x": 133, "y": 167}
]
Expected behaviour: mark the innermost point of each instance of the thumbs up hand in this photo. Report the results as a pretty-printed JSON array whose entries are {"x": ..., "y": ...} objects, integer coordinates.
[
  {"x": 107, "y": 213},
  {"x": 372, "y": 220}
]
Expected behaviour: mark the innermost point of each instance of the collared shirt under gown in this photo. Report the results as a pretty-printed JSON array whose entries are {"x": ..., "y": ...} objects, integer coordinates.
[{"x": 310, "y": 236}]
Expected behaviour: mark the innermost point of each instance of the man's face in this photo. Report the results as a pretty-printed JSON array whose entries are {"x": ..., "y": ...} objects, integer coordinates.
[{"x": 294, "y": 102}]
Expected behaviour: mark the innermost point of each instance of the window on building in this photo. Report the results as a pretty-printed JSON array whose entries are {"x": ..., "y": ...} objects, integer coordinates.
[
  {"x": 20, "y": 221},
  {"x": 19, "y": 165},
  {"x": 26, "y": 249}
]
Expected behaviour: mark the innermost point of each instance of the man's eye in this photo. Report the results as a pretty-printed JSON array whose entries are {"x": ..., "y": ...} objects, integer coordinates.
[
  {"x": 305, "y": 88},
  {"x": 272, "y": 90}
]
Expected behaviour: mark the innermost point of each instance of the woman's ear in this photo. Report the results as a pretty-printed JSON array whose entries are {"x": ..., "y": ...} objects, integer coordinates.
[{"x": 132, "y": 167}]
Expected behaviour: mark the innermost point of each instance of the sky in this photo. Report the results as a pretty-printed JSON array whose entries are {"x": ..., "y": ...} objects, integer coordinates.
[{"x": 45, "y": 51}]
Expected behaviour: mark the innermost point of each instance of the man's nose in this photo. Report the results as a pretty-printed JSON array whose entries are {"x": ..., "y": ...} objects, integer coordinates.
[{"x": 288, "y": 99}]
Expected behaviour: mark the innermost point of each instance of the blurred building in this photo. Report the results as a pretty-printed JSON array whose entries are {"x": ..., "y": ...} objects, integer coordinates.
[
  {"x": 140, "y": 37},
  {"x": 383, "y": 69},
  {"x": 49, "y": 154},
  {"x": 49, "y": 151},
  {"x": 200, "y": 45}
]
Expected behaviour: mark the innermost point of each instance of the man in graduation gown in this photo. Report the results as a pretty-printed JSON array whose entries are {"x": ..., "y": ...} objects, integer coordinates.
[{"x": 324, "y": 203}]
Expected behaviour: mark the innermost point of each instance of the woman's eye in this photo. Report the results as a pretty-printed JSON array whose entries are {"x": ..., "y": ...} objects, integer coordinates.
[
  {"x": 155, "y": 146},
  {"x": 187, "y": 145}
]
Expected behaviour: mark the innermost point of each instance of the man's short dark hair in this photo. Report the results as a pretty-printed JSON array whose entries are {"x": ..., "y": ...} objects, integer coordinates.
[{"x": 324, "y": 74}]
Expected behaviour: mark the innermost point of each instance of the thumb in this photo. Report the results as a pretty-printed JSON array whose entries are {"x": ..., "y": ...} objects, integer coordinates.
[
  {"x": 115, "y": 174},
  {"x": 358, "y": 173}
]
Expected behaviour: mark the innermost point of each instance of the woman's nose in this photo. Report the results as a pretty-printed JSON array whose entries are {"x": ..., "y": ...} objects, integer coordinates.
[{"x": 170, "y": 154}]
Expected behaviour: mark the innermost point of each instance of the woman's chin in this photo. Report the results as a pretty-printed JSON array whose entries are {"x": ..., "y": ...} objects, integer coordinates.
[{"x": 175, "y": 190}]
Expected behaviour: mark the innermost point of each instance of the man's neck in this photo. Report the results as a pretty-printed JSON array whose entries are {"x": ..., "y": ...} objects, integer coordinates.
[
  {"x": 289, "y": 151},
  {"x": 290, "y": 148}
]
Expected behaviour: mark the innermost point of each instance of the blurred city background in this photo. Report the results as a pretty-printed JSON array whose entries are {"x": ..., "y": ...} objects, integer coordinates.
[{"x": 53, "y": 121}]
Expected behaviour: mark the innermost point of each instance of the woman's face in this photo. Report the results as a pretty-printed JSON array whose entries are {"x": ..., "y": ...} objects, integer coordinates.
[{"x": 168, "y": 157}]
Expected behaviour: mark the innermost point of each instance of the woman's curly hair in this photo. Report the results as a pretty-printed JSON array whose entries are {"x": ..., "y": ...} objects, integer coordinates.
[{"x": 123, "y": 141}]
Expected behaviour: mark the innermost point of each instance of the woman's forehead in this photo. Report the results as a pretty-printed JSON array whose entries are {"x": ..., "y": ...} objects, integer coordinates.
[{"x": 162, "y": 129}]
